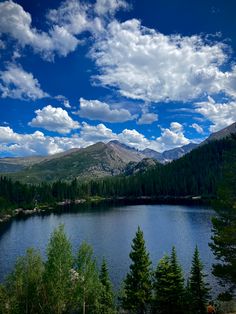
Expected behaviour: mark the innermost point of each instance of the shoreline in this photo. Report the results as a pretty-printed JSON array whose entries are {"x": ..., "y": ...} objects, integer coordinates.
[{"x": 142, "y": 200}]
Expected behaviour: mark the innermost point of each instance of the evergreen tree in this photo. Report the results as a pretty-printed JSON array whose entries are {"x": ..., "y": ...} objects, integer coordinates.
[
  {"x": 137, "y": 285},
  {"x": 199, "y": 289},
  {"x": 168, "y": 286},
  {"x": 224, "y": 226},
  {"x": 107, "y": 295},
  {"x": 87, "y": 292},
  {"x": 57, "y": 277},
  {"x": 177, "y": 293},
  {"x": 4, "y": 301}
]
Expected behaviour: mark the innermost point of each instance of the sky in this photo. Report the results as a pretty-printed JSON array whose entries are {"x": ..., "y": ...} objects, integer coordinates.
[{"x": 152, "y": 74}]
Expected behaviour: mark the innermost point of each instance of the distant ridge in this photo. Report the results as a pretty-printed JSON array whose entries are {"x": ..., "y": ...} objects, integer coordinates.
[{"x": 231, "y": 129}]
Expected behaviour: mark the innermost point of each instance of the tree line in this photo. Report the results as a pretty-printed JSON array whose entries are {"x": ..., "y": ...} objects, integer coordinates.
[{"x": 73, "y": 284}]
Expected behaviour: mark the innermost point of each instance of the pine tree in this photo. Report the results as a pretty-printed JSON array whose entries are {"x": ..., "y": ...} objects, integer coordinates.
[
  {"x": 169, "y": 285},
  {"x": 57, "y": 277},
  {"x": 177, "y": 293},
  {"x": 163, "y": 280},
  {"x": 107, "y": 295},
  {"x": 224, "y": 226},
  {"x": 199, "y": 289},
  {"x": 137, "y": 285}
]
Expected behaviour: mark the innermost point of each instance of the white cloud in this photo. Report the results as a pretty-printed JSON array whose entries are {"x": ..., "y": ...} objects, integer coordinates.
[
  {"x": 220, "y": 114},
  {"x": 35, "y": 144},
  {"x": 145, "y": 64},
  {"x": 147, "y": 118},
  {"x": 16, "y": 22},
  {"x": 97, "y": 110},
  {"x": 54, "y": 119},
  {"x": 198, "y": 128},
  {"x": 170, "y": 138},
  {"x": 65, "y": 23},
  {"x": 19, "y": 84},
  {"x": 39, "y": 144},
  {"x": 103, "y": 7},
  {"x": 66, "y": 103},
  {"x": 96, "y": 133},
  {"x": 71, "y": 15},
  {"x": 133, "y": 138}
]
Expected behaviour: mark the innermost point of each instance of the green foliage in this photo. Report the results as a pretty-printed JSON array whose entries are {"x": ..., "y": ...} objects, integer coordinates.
[
  {"x": 87, "y": 283},
  {"x": 57, "y": 275},
  {"x": 107, "y": 295},
  {"x": 23, "y": 292},
  {"x": 169, "y": 286},
  {"x": 224, "y": 226},
  {"x": 137, "y": 285},
  {"x": 198, "y": 288}
]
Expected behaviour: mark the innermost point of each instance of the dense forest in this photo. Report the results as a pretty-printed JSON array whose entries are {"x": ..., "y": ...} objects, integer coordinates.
[
  {"x": 196, "y": 174},
  {"x": 64, "y": 283}
]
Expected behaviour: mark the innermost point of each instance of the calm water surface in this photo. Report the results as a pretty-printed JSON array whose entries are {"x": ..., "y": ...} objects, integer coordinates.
[{"x": 110, "y": 232}]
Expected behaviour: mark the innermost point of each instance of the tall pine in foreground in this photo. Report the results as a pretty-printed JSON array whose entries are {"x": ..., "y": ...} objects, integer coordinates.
[
  {"x": 224, "y": 226},
  {"x": 168, "y": 286},
  {"x": 107, "y": 295},
  {"x": 137, "y": 285},
  {"x": 198, "y": 288}
]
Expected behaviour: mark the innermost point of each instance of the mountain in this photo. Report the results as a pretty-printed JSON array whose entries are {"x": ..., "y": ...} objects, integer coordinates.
[
  {"x": 16, "y": 164},
  {"x": 140, "y": 167},
  {"x": 98, "y": 160},
  {"x": 231, "y": 129},
  {"x": 171, "y": 154},
  {"x": 125, "y": 152},
  {"x": 150, "y": 153},
  {"x": 178, "y": 152}
]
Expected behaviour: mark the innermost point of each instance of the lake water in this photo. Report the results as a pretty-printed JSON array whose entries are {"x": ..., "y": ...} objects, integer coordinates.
[{"x": 110, "y": 232}]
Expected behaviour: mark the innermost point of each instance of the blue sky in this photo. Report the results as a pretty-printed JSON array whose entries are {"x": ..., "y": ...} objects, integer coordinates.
[{"x": 151, "y": 74}]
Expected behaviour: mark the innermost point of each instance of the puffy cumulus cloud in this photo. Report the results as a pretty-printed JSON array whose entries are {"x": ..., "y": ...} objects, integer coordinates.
[
  {"x": 147, "y": 118},
  {"x": 133, "y": 138},
  {"x": 35, "y": 144},
  {"x": 54, "y": 119},
  {"x": 7, "y": 135},
  {"x": 16, "y": 22},
  {"x": 144, "y": 64},
  {"x": 103, "y": 7},
  {"x": 19, "y": 84},
  {"x": 198, "y": 128},
  {"x": 65, "y": 23},
  {"x": 95, "y": 133},
  {"x": 170, "y": 138},
  {"x": 97, "y": 110},
  {"x": 39, "y": 144},
  {"x": 220, "y": 114}
]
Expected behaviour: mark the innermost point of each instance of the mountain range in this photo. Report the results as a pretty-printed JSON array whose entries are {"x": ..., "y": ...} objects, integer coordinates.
[{"x": 97, "y": 160}]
